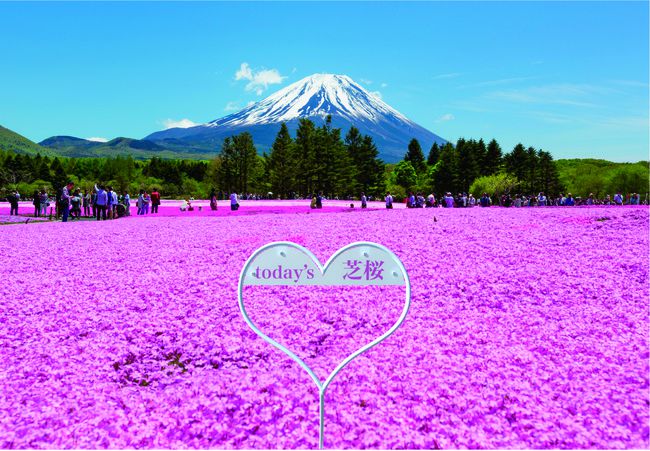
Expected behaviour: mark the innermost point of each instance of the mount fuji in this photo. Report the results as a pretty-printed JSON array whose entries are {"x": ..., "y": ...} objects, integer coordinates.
[{"x": 314, "y": 97}]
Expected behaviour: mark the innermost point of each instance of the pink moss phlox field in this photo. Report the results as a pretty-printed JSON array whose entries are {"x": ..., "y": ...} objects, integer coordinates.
[{"x": 528, "y": 329}]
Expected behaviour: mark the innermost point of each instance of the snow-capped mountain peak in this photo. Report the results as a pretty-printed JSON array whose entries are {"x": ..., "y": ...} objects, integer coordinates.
[
  {"x": 313, "y": 97},
  {"x": 316, "y": 95}
]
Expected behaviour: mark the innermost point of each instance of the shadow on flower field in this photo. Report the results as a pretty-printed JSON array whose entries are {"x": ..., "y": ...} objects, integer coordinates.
[{"x": 528, "y": 329}]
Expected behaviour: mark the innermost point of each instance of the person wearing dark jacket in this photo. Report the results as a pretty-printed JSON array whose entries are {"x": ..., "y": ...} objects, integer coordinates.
[
  {"x": 13, "y": 199},
  {"x": 37, "y": 204},
  {"x": 155, "y": 201}
]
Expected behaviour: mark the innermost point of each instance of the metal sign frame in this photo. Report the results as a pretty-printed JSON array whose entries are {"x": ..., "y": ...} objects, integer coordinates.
[{"x": 322, "y": 386}]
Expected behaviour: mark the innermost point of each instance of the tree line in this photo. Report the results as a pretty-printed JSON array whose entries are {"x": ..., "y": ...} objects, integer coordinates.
[
  {"x": 28, "y": 173},
  {"x": 320, "y": 159}
]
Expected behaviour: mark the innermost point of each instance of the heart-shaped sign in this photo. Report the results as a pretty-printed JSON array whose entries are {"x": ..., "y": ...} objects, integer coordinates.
[{"x": 359, "y": 264}]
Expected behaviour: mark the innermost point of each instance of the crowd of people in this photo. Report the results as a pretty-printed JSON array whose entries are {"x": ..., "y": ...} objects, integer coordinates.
[
  {"x": 102, "y": 203},
  {"x": 417, "y": 200},
  {"x": 105, "y": 203}
]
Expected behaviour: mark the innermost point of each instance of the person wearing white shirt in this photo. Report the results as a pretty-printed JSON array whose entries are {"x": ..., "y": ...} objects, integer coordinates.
[
  {"x": 389, "y": 201},
  {"x": 234, "y": 201}
]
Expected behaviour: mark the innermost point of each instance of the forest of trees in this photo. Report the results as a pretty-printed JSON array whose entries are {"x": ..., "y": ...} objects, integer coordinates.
[
  {"x": 317, "y": 159},
  {"x": 321, "y": 159},
  {"x": 175, "y": 177},
  {"x": 470, "y": 166}
]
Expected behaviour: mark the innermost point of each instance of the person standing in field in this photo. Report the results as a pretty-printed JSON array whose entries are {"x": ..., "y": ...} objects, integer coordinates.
[
  {"x": 618, "y": 198},
  {"x": 36, "y": 200},
  {"x": 234, "y": 202},
  {"x": 155, "y": 201},
  {"x": 140, "y": 202},
  {"x": 485, "y": 200},
  {"x": 13, "y": 199},
  {"x": 213, "y": 200},
  {"x": 101, "y": 202},
  {"x": 86, "y": 203},
  {"x": 109, "y": 202},
  {"x": 45, "y": 202},
  {"x": 146, "y": 201},
  {"x": 75, "y": 205},
  {"x": 449, "y": 200},
  {"x": 319, "y": 200},
  {"x": 569, "y": 201},
  {"x": 389, "y": 201},
  {"x": 364, "y": 200},
  {"x": 93, "y": 201},
  {"x": 65, "y": 200},
  {"x": 127, "y": 203}
]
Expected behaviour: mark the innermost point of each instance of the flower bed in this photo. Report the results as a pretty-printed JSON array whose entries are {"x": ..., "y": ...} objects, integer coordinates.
[{"x": 528, "y": 329}]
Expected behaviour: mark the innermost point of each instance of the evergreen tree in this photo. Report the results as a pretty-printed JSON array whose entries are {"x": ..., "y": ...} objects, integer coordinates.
[
  {"x": 434, "y": 154},
  {"x": 353, "y": 145},
  {"x": 531, "y": 173},
  {"x": 59, "y": 176},
  {"x": 515, "y": 162},
  {"x": 548, "y": 178},
  {"x": 415, "y": 156},
  {"x": 43, "y": 171},
  {"x": 245, "y": 160},
  {"x": 304, "y": 156},
  {"x": 369, "y": 169},
  {"x": 338, "y": 170},
  {"x": 466, "y": 168},
  {"x": 493, "y": 158},
  {"x": 480, "y": 155},
  {"x": 280, "y": 164},
  {"x": 444, "y": 174}
]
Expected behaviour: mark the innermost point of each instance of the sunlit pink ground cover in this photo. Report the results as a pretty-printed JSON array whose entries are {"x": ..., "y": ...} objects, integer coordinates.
[{"x": 528, "y": 329}]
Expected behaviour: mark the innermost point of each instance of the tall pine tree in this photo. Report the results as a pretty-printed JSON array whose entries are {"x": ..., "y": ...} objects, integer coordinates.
[
  {"x": 493, "y": 158},
  {"x": 434, "y": 154},
  {"x": 415, "y": 156},
  {"x": 280, "y": 164}
]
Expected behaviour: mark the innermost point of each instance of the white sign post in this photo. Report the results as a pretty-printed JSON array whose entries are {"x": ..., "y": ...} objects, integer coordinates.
[{"x": 357, "y": 264}]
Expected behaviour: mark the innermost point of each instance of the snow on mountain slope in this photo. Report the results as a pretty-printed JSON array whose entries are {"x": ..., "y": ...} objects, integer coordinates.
[
  {"x": 317, "y": 95},
  {"x": 314, "y": 97}
]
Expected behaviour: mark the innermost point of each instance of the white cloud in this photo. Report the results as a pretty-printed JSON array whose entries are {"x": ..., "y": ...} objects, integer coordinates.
[
  {"x": 258, "y": 80},
  {"x": 97, "y": 139},
  {"x": 365, "y": 81},
  {"x": 446, "y": 117},
  {"x": 376, "y": 94},
  {"x": 183, "y": 123},
  {"x": 384, "y": 85},
  {"x": 250, "y": 103},
  {"x": 244, "y": 72},
  {"x": 232, "y": 106}
]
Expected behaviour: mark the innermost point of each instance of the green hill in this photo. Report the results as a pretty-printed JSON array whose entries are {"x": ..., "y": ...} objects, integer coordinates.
[
  {"x": 10, "y": 140},
  {"x": 600, "y": 177}
]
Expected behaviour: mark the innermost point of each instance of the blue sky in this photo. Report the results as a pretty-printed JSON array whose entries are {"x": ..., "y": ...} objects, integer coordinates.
[{"x": 571, "y": 78}]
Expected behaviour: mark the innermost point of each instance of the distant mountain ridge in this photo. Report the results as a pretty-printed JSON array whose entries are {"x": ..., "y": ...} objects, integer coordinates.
[
  {"x": 313, "y": 97},
  {"x": 70, "y": 146}
]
